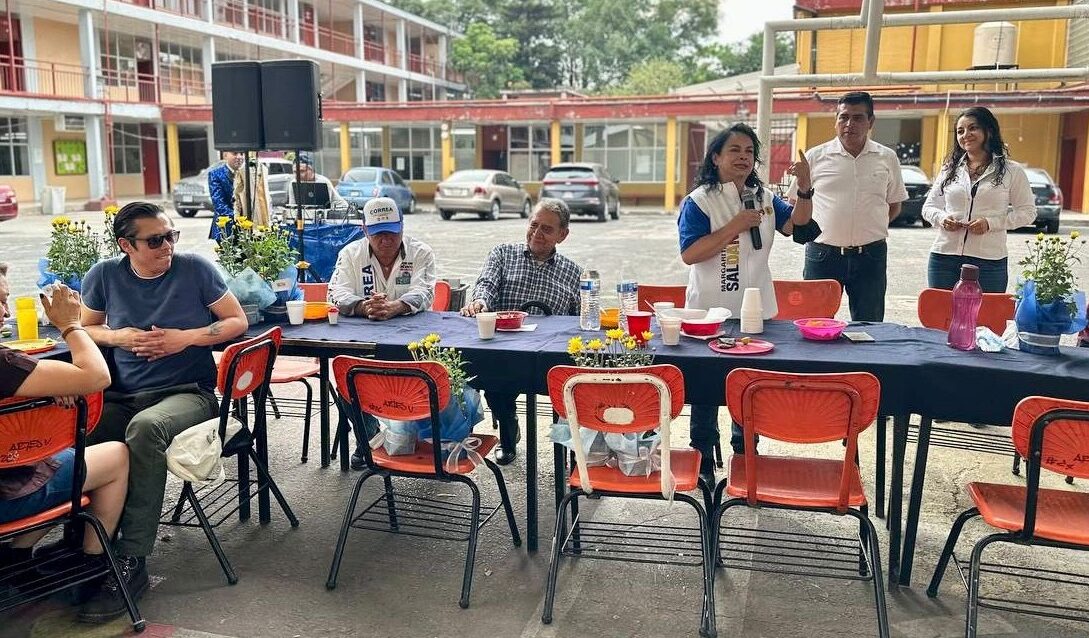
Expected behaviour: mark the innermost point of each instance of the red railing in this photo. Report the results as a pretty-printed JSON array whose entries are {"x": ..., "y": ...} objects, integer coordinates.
[
  {"x": 336, "y": 41},
  {"x": 187, "y": 8},
  {"x": 374, "y": 51},
  {"x": 233, "y": 13},
  {"x": 38, "y": 77}
]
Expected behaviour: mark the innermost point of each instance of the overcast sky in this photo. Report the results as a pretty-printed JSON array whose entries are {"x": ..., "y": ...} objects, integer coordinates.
[{"x": 738, "y": 19}]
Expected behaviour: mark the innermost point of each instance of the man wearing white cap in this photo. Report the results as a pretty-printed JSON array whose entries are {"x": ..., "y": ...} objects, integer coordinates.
[
  {"x": 382, "y": 277},
  {"x": 387, "y": 275}
]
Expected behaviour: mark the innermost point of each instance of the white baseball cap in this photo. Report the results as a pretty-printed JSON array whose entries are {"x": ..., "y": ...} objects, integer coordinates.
[{"x": 381, "y": 215}]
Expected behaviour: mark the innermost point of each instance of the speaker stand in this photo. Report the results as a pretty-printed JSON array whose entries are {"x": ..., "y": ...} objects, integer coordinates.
[{"x": 300, "y": 224}]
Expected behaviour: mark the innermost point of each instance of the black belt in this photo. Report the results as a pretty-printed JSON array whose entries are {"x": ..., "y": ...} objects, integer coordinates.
[{"x": 853, "y": 250}]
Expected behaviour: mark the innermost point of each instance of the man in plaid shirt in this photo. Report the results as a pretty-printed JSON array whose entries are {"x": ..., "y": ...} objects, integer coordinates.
[{"x": 514, "y": 274}]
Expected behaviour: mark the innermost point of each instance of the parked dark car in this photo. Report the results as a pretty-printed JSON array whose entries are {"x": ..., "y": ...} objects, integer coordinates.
[
  {"x": 1049, "y": 199},
  {"x": 363, "y": 183},
  {"x": 9, "y": 203},
  {"x": 587, "y": 189},
  {"x": 918, "y": 185},
  {"x": 483, "y": 192},
  {"x": 190, "y": 194}
]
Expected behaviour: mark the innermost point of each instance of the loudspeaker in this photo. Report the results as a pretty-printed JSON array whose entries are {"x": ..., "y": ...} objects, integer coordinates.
[
  {"x": 289, "y": 89},
  {"x": 236, "y": 106}
]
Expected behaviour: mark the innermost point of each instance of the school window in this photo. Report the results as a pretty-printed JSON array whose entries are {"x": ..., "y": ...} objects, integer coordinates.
[
  {"x": 416, "y": 153},
  {"x": 464, "y": 148},
  {"x": 366, "y": 144},
  {"x": 118, "y": 58},
  {"x": 530, "y": 150},
  {"x": 630, "y": 152},
  {"x": 126, "y": 150},
  {"x": 180, "y": 69},
  {"x": 13, "y": 146}
]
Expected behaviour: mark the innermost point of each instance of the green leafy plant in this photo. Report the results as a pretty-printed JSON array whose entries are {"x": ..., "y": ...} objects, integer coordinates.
[
  {"x": 616, "y": 350},
  {"x": 428, "y": 349},
  {"x": 1050, "y": 263},
  {"x": 266, "y": 250},
  {"x": 73, "y": 248}
]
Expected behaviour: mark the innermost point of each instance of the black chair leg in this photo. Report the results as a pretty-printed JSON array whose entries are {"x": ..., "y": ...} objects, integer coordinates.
[
  {"x": 554, "y": 564},
  {"x": 391, "y": 504},
  {"x": 263, "y": 476},
  {"x": 1016, "y": 470},
  {"x": 228, "y": 571},
  {"x": 863, "y": 541},
  {"x": 273, "y": 405},
  {"x": 947, "y": 552},
  {"x": 470, "y": 555},
  {"x": 243, "y": 487},
  {"x": 879, "y": 466},
  {"x": 718, "y": 453},
  {"x": 707, "y": 612},
  {"x": 342, "y": 539},
  {"x": 306, "y": 419},
  {"x": 138, "y": 623},
  {"x": 508, "y": 509},
  {"x": 874, "y": 548},
  {"x": 176, "y": 516},
  {"x": 972, "y": 617}
]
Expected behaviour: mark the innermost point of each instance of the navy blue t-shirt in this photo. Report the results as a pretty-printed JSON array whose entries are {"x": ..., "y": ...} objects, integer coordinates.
[
  {"x": 693, "y": 223},
  {"x": 180, "y": 298}
]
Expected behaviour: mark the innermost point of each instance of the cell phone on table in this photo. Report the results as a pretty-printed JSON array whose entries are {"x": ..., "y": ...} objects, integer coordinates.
[{"x": 858, "y": 337}]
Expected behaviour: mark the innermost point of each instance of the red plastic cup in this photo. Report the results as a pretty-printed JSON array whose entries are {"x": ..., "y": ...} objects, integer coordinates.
[{"x": 638, "y": 322}]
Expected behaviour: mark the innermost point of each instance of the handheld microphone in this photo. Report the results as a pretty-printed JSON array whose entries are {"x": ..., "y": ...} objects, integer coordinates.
[{"x": 748, "y": 201}]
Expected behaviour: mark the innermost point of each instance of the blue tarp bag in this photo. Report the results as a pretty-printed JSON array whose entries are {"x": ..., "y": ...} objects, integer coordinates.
[{"x": 322, "y": 244}]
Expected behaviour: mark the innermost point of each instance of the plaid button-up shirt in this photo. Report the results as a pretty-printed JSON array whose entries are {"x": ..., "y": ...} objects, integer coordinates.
[{"x": 512, "y": 276}]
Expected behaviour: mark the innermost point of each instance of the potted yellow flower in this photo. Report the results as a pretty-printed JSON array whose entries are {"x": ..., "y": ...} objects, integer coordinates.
[
  {"x": 1049, "y": 304},
  {"x": 260, "y": 266},
  {"x": 74, "y": 246}
]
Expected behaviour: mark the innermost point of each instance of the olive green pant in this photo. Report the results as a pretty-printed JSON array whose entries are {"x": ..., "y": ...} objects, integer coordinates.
[{"x": 147, "y": 422}]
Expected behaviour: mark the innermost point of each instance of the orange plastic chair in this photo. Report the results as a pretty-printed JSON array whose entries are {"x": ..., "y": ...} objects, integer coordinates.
[
  {"x": 935, "y": 309},
  {"x": 33, "y": 430},
  {"x": 627, "y": 401},
  {"x": 808, "y": 409},
  {"x": 649, "y": 294},
  {"x": 409, "y": 391},
  {"x": 245, "y": 371},
  {"x": 1052, "y": 435},
  {"x": 807, "y": 298},
  {"x": 442, "y": 297},
  {"x": 315, "y": 291}
]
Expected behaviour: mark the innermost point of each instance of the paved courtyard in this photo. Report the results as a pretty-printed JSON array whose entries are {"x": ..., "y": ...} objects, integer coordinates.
[{"x": 397, "y": 586}]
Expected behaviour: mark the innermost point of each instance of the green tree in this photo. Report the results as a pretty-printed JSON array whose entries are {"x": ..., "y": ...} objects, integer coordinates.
[
  {"x": 487, "y": 61},
  {"x": 653, "y": 77},
  {"x": 713, "y": 61}
]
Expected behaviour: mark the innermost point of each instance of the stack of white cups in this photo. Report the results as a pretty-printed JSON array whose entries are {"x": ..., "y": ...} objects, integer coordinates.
[{"x": 752, "y": 312}]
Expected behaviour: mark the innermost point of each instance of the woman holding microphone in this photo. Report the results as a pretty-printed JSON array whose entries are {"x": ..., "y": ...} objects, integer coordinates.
[{"x": 979, "y": 195}]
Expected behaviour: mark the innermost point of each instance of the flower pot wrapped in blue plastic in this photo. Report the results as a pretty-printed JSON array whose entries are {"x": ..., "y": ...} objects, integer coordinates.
[
  {"x": 1041, "y": 325},
  {"x": 48, "y": 278}
]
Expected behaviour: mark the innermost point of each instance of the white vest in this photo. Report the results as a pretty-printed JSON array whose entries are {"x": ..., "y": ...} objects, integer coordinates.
[{"x": 721, "y": 281}]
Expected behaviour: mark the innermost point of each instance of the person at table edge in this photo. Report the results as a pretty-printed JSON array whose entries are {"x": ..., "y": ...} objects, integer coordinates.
[
  {"x": 160, "y": 312},
  {"x": 852, "y": 188},
  {"x": 514, "y": 274}
]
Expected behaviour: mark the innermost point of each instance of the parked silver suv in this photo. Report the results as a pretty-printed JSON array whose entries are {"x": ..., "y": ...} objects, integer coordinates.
[{"x": 190, "y": 195}]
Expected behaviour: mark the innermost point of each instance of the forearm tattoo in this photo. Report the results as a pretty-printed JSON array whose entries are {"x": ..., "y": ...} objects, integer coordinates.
[{"x": 215, "y": 328}]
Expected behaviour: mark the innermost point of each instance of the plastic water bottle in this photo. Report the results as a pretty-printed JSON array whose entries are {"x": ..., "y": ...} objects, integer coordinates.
[
  {"x": 967, "y": 298},
  {"x": 589, "y": 301},
  {"x": 628, "y": 292}
]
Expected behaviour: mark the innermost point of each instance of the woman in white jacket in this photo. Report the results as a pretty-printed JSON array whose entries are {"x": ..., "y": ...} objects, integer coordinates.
[{"x": 978, "y": 195}]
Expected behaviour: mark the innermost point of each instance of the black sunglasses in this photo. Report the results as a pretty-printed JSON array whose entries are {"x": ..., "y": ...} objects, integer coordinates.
[{"x": 156, "y": 241}]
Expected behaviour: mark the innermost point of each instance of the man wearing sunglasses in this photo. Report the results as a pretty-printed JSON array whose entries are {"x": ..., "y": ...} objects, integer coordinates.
[{"x": 160, "y": 312}]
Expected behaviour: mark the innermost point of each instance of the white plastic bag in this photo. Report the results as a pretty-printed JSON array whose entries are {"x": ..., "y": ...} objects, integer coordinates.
[{"x": 196, "y": 454}]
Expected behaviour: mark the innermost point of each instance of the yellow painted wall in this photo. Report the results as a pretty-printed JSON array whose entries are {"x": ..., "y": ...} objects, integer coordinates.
[
  {"x": 1040, "y": 44},
  {"x": 77, "y": 185},
  {"x": 128, "y": 185},
  {"x": 58, "y": 43},
  {"x": 24, "y": 187},
  {"x": 1033, "y": 139},
  {"x": 819, "y": 130},
  {"x": 179, "y": 98},
  {"x": 928, "y": 158}
]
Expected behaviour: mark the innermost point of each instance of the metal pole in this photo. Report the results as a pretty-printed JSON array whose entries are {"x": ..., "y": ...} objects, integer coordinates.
[
  {"x": 764, "y": 103},
  {"x": 873, "y": 38}
]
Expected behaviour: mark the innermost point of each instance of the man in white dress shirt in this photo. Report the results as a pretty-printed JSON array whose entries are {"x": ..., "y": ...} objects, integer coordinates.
[{"x": 852, "y": 188}]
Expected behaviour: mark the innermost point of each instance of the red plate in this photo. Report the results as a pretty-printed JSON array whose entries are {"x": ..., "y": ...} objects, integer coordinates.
[{"x": 756, "y": 346}]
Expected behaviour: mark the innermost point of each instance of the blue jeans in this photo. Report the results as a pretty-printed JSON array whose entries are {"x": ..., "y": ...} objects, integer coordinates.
[
  {"x": 861, "y": 272},
  {"x": 703, "y": 431},
  {"x": 57, "y": 490},
  {"x": 943, "y": 271}
]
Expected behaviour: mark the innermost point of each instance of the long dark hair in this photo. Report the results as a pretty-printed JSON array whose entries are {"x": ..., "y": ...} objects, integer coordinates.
[
  {"x": 993, "y": 145},
  {"x": 708, "y": 175}
]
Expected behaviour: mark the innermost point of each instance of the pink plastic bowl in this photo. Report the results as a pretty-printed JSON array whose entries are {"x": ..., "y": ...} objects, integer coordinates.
[
  {"x": 701, "y": 327},
  {"x": 820, "y": 329},
  {"x": 510, "y": 319}
]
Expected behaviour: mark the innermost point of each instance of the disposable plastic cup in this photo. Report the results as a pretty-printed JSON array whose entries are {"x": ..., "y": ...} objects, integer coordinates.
[
  {"x": 485, "y": 324},
  {"x": 671, "y": 330},
  {"x": 638, "y": 322},
  {"x": 296, "y": 310}
]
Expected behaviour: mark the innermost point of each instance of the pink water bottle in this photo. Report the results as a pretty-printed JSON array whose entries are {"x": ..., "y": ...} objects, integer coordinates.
[{"x": 967, "y": 298}]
